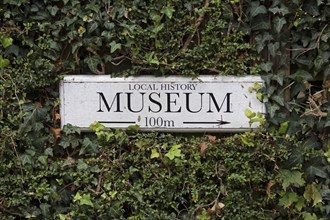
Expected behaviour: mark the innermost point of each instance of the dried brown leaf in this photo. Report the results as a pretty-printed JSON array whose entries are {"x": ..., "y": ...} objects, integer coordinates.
[
  {"x": 57, "y": 116},
  {"x": 212, "y": 139},
  {"x": 268, "y": 187},
  {"x": 56, "y": 132},
  {"x": 203, "y": 147}
]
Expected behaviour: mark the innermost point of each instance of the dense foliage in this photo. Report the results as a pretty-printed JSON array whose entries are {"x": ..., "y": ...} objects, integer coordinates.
[{"x": 51, "y": 173}]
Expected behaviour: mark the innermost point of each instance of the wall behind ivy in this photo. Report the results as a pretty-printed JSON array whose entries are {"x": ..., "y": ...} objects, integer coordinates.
[{"x": 287, "y": 42}]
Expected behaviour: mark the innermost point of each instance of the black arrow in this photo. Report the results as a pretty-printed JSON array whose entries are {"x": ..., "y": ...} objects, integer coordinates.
[
  {"x": 117, "y": 122},
  {"x": 218, "y": 122}
]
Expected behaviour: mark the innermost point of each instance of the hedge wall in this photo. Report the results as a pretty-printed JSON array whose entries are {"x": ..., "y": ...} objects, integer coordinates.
[{"x": 278, "y": 172}]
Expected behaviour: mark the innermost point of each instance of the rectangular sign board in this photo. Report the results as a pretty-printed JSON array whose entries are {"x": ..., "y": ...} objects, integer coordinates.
[{"x": 209, "y": 103}]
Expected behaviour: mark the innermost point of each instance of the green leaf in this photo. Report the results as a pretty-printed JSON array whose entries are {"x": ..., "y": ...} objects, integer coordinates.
[
  {"x": 309, "y": 216},
  {"x": 96, "y": 126},
  {"x": 49, "y": 152},
  {"x": 279, "y": 78},
  {"x": 6, "y": 41},
  {"x": 43, "y": 160},
  {"x": 260, "y": 96},
  {"x": 77, "y": 197},
  {"x": 45, "y": 209},
  {"x": 288, "y": 199},
  {"x": 82, "y": 165},
  {"x": 273, "y": 48},
  {"x": 266, "y": 66},
  {"x": 272, "y": 109},
  {"x": 62, "y": 216},
  {"x": 174, "y": 152},
  {"x": 312, "y": 193},
  {"x": 152, "y": 58},
  {"x": 295, "y": 159},
  {"x": 154, "y": 154},
  {"x": 52, "y": 10},
  {"x": 168, "y": 11},
  {"x": 88, "y": 147},
  {"x": 257, "y": 9},
  {"x": 289, "y": 177},
  {"x": 327, "y": 155},
  {"x": 114, "y": 46},
  {"x": 283, "y": 127},
  {"x": 283, "y": 10},
  {"x": 311, "y": 8},
  {"x": 86, "y": 200},
  {"x": 93, "y": 63},
  {"x": 92, "y": 27},
  {"x": 25, "y": 159},
  {"x": 158, "y": 28},
  {"x": 261, "y": 24},
  {"x": 4, "y": 62},
  {"x": 301, "y": 75},
  {"x": 249, "y": 114},
  {"x": 278, "y": 24},
  {"x": 75, "y": 46},
  {"x": 314, "y": 170},
  {"x": 278, "y": 99}
]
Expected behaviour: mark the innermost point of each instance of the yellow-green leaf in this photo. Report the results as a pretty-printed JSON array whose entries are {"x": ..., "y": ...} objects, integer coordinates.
[
  {"x": 154, "y": 153},
  {"x": 312, "y": 193}
]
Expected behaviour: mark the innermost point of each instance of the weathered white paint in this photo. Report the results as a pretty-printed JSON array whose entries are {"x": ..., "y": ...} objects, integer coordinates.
[{"x": 209, "y": 103}]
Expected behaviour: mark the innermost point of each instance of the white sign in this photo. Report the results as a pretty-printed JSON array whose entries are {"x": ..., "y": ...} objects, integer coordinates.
[{"x": 209, "y": 103}]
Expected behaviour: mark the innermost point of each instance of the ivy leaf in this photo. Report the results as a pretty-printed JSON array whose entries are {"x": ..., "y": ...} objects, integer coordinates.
[
  {"x": 49, "y": 152},
  {"x": 92, "y": 27},
  {"x": 77, "y": 197},
  {"x": 152, "y": 58},
  {"x": 273, "y": 48},
  {"x": 52, "y": 10},
  {"x": 3, "y": 62},
  {"x": 96, "y": 126},
  {"x": 312, "y": 193},
  {"x": 311, "y": 8},
  {"x": 261, "y": 24},
  {"x": 327, "y": 155},
  {"x": 289, "y": 177},
  {"x": 174, "y": 152},
  {"x": 6, "y": 41},
  {"x": 301, "y": 75},
  {"x": 88, "y": 147},
  {"x": 257, "y": 9},
  {"x": 283, "y": 10},
  {"x": 85, "y": 199},
  {"x": 288, "y": 199},
  {"x": 278, "y": 24},
  {"x": 82, "y": 165},
  {"x": 75, "y": 46},
  {"x": 168, "y": 11},
  {"x": 283, "y": 128},
  {"x": 45, "y": 209},
  {"x": 278, "y": 99},
  {"x": 272, "y": 109},
  {"x": 279, "y": 78},
  {"x": 154, "y": 154},
  {"x": 43, "y": 160},
  {"x": 158, "y": 28},
  {"x": 249, "y": 114},
  {"x": 25, "y": 159},
  {"x": 266, "y": 66},
  {"x": 313, "y": 171},
  {"x": 114, "y": 46},
  {"x": 93, "y": 63},
  {"x": 309, "y": 216}
]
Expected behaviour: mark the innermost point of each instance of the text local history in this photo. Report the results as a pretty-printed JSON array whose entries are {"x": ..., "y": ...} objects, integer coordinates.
[{"x": 158, "y": 98}]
